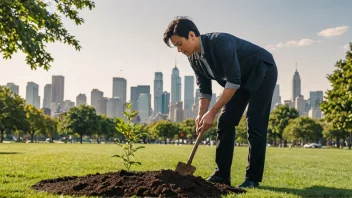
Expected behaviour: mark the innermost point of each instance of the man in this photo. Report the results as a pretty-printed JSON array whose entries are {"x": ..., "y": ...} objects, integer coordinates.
[{"x": 248, "y": 74}]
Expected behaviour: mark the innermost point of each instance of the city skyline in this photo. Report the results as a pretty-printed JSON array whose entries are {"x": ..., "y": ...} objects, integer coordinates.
[{"x": 295, "y": 32}]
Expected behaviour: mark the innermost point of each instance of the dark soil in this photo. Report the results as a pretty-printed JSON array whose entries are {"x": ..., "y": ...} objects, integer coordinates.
[{"x": 164, "y": 183}]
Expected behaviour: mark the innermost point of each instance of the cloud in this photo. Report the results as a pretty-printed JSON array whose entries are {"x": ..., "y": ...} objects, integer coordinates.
[
  {"x": 292, "y": 43},
  {"x": 330, "y": 32}
]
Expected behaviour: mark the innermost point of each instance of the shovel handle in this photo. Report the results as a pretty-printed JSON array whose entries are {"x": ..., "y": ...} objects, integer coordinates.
[{"x": 194, "y": 149}]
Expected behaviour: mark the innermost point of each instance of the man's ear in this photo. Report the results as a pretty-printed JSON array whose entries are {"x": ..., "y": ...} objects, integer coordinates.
[{"x": 191, "y": 35}]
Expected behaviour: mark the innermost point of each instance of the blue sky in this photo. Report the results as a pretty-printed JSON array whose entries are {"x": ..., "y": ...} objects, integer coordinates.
[{"x": 127, "y": 35}]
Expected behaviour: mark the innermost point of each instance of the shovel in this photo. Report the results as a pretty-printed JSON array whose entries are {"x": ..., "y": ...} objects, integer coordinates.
[{"x": 188, "y": 169}]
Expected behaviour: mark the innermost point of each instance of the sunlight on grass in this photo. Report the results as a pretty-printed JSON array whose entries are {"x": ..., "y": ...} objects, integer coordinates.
[{"x": 293, "y": 172}]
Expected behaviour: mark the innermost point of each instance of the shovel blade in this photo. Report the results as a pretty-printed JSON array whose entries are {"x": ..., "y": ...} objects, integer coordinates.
[{"x": 183, "y": 169}]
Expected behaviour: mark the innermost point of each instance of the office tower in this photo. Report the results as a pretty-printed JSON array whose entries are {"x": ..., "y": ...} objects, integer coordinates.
[
  {"x": 96, "y": 96},
  {"x": 112, "y": 107},
  {"x": 175, "y": 85},
  {"x": 57, "y": 89},
  {"x": 296, "y": 86},
  {"x": 165, "y": 98},
  {"x": 81, "y": 99},
  {"x": 158, "y": 91},
  {"x": 188, "y": 96},
  {"x": 47, "y": 96},
  {"x": 32, "y": 96},
  {"x": 276, "y": 100},
  {"x": 13, "y": 87},
  {"x": 119, "y": 89}
]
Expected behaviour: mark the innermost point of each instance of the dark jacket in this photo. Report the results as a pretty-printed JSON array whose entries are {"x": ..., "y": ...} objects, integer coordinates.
[{"x": 232, "y": 60}]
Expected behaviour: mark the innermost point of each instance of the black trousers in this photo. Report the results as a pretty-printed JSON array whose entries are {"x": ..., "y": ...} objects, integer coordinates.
[{"x": 259, "y": 103}]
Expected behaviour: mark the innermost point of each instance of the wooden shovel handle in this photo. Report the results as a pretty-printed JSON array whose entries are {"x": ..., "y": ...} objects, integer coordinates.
[{"x": 194, "y": 149}]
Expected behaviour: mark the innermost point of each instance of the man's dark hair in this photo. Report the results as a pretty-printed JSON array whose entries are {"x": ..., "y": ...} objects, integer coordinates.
[{"x": 180, "y": 26}]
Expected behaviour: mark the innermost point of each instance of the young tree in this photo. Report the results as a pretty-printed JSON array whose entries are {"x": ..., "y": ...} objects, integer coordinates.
[
  {"x": 337, "y": 107},
  {"x": 28, "y": 25}
]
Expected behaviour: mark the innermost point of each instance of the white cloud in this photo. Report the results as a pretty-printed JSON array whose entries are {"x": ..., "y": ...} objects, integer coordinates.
[
  {"x": 336, "y": 31},
  {"x": 292, "y": 43}
]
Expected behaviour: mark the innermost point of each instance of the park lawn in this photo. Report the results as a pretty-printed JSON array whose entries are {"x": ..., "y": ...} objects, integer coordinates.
[{"x": 295, "y": 172}]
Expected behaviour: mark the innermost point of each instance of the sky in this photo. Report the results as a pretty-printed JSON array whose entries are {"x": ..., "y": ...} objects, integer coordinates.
[{"x": 124, "y": 39}]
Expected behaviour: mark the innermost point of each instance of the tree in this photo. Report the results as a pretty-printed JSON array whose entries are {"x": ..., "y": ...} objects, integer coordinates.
[
  {"x": 82, "y": 120},
  {"x": 36, "y": 120},
  {"x": 303, "y": 128},
  {"x": 241, "y": 130},
  {"x": 165, "y": 129},
  {"x": 50, "y": 128},
  {"x": 333, "y": 134},
  {"x": 28, "y": 25},
  {"x": 337, "y": 107},
  {"x": 188, "y": 129},
  {"x": 279, "y": 119},
  {"x": 12, "y": 115}
]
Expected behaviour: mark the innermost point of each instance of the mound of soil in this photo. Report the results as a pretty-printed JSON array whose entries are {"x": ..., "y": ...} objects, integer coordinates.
[{"x": 164, "y": 183}]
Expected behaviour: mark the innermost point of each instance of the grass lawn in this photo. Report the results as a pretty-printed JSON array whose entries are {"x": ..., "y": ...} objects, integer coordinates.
[{"x": 295, "y": 172}]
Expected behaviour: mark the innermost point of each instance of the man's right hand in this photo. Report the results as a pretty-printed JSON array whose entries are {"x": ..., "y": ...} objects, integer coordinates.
[{"x": 198, "y": 124}]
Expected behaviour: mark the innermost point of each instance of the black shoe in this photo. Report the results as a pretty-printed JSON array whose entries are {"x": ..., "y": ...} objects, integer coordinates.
[
  {"x": 249, "y": 184},
  {"x": 218, "y": 179}
]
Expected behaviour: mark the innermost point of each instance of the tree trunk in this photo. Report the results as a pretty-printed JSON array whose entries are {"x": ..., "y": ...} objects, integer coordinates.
[
  {"x": 19, "y": 136},
  {"x": 32, "y": 136},
  {"x": 285, "y": 143},
  {"x": 52, "y": 140},
  {"x": 338, "y": 142},
  {"x": 81, "y": 137},
  {"x": 2, "y": 136},
  {"x": 350, "y": 141},
  {"x": 165, "y": 140},
  {"x": 280, "y": 142}
]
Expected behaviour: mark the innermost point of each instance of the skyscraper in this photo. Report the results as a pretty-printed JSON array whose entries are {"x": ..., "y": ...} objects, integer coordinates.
[
  {"x": 32, "y": 96},
  {"x": 276, "y": 100},
  {"x": 165, "y": 102},
  {"x": 158, "y": 91},
  {"x": 135, "y": 92},
  {"x": 112, "y": 107},
  {"x": 95, "y": 97},
  {"x": 119, "y": 89},
  {"x": 188, "y": 96},
  {"x": 296, "y": 86},
  {"x": 57, "y": 89},
  {"x": 13, "y": 87},
  {"x": 143, "y": 107},
  {"x": 315, "y": 97},
  {"x": 81, "y": 99},
  {"x": 175, "y": 85},
  {"x": 47, "y": 96}
]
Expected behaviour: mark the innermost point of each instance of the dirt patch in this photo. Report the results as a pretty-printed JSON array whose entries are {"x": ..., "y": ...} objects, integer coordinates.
[{"x": 164, "y": 183}]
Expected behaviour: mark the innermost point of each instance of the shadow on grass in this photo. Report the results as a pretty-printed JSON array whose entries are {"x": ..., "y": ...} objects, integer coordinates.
[
  {"x": 9, "y": 153},
  {"x": 313, "y": 191}
]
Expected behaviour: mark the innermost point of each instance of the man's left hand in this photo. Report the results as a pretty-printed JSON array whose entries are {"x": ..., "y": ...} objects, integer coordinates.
[{"x": 206, "y": 122}]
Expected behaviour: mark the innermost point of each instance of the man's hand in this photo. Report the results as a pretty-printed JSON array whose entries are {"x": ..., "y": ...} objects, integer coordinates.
[
  {"x": 206, "y": 122},
  {"x": 198, "y": 119}
]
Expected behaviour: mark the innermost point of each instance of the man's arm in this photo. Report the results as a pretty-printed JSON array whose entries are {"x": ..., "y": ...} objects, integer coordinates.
[
  {"x": 225, "y": 50},
  {"x": 205, "y": 89}
]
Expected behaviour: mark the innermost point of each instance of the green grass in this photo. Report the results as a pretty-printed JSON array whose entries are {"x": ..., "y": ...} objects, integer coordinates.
[{"x": 295, "y": 172}]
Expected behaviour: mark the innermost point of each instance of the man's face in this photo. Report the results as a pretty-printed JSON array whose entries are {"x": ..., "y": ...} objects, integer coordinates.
[{"x": 186, "y": 46}]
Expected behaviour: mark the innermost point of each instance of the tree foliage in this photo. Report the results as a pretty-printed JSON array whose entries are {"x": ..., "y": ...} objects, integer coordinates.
[
  {"x": 337, "y": 107},
  {"x": 12, "y": 115},
  {"x": 279, "y": 119},
  {"x": 303, "y": 128},
  {"x": 82, "y": 120},
  {"x": 28, "y": 25}
]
